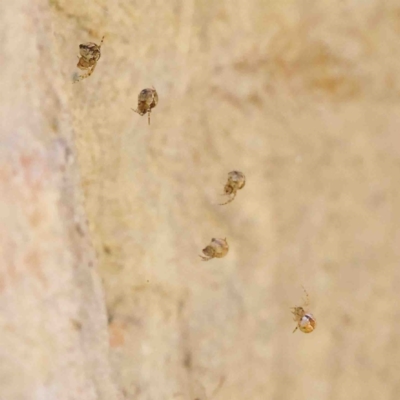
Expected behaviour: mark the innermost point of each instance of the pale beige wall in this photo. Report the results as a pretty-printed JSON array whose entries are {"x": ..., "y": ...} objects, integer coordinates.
[
  {"x": 53, "y": 334},
  {"x": 303, "y": 97}
]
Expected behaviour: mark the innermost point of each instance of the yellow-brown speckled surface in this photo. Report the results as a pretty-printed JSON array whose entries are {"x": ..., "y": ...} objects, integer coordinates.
[{"x": 303, "y": 97}]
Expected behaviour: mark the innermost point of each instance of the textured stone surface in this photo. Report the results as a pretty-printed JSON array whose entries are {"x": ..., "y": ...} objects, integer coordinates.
[
  {"x": 303, "y": 97},
  {"x": 53, "y": 322}
]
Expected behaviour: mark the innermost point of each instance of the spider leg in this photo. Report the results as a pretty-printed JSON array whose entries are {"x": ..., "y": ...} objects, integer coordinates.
[
  {"x": 84, "y": 76},
  {"x": 295, "y": 329},
  {"x": 137, "y": 112},
  {"x": 102, "y": 39},
  {"x": 81, "y": 77},
  {"x": 295, "y": 314},
  {"x": 205, "y": 258},
  {"x": 307, "y": 300},
  {"x": 229, "y": 200},
  {"x": 91, "y": 70},
  {"x": 148, "y": 115}
]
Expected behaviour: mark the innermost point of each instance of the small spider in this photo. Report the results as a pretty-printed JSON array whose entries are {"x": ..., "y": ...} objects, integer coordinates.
[
  {"x": 305, "y": 320},
  {"x": 236, "y": 181},
  {"x": 147, "y": 99},
  {"x": 218, "y": 248},
  {"x": 89, "y": 55}
]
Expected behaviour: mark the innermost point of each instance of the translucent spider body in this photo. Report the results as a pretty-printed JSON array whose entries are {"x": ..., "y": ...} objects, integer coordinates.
[
  {"x": 236, "y": 181},
  {"x": 89, "y": 56},
  {"x": 218, "y": 248},
  {"x": 305, "y": 320},
  {"x": 147, "y": 99}
]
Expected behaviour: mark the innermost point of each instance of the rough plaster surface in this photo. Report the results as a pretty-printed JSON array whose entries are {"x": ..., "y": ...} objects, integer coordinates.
[{"x": 303, "y": 97}]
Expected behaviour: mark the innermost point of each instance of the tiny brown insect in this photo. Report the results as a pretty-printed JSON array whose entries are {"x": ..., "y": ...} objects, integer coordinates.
[
  {"x": 236, "y": 181},
  {"x": 218, "y": 248},
  {"x": 147, "y": 99},
  {"x": 89, "y": 56},
  {"x": 305, "y": 320}
]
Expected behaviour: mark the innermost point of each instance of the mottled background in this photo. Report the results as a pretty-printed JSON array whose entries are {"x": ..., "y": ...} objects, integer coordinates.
[{"x": 303, "y": 97}]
